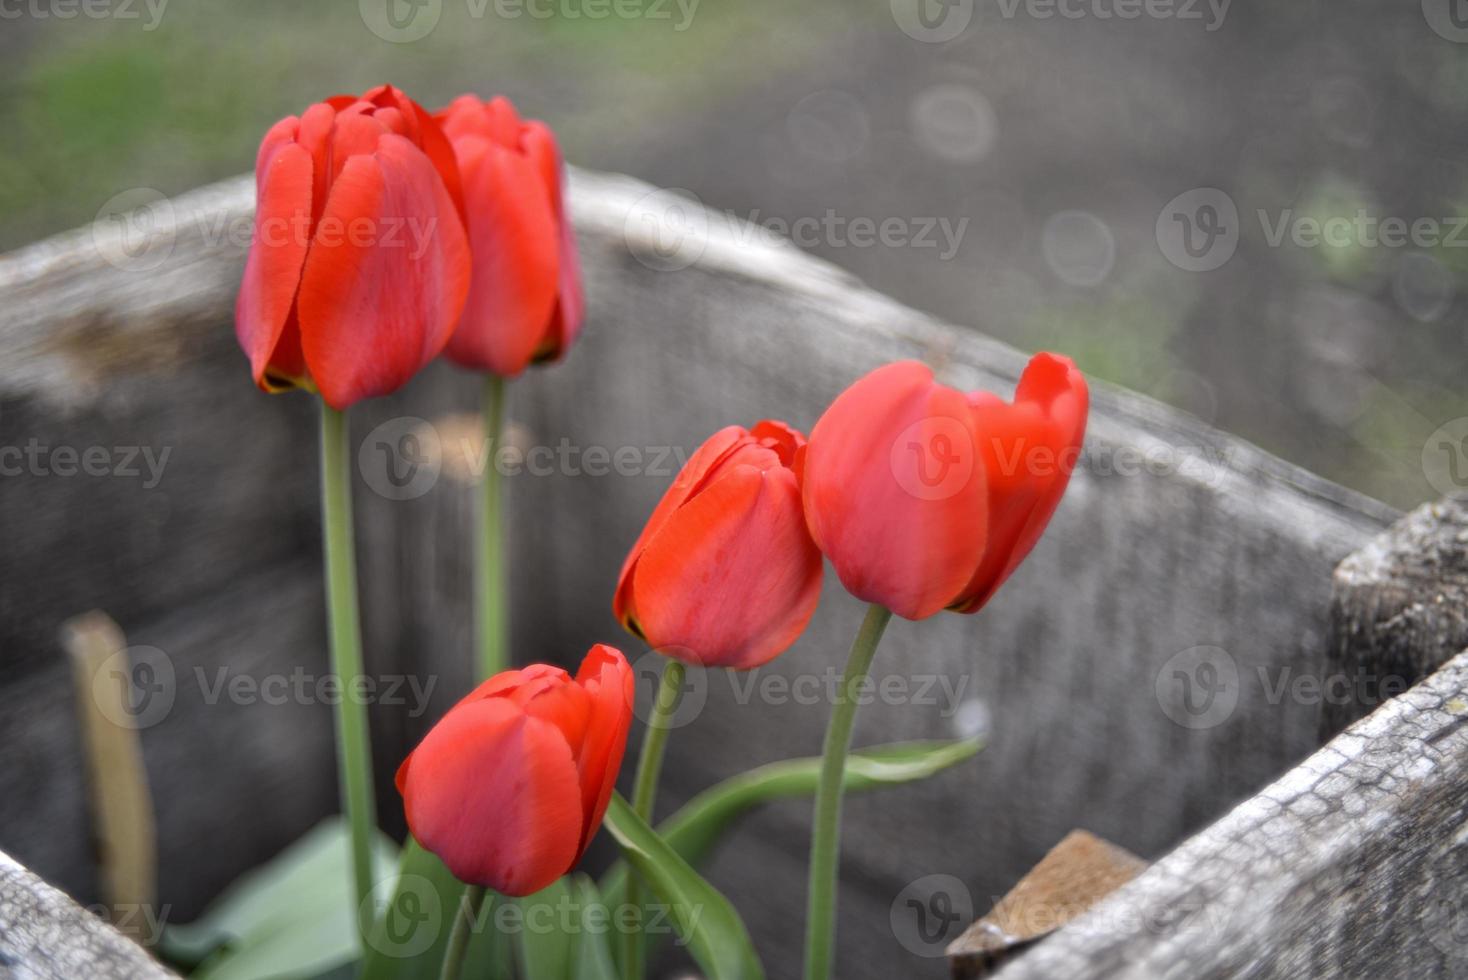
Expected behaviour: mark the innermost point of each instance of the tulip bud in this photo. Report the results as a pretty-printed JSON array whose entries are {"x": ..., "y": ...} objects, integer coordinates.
[
  {"x": 927, "y": 499},
  {"x": 725, "y": 573},
  {"x": 359, "y": 265},
  {"x": 525, "y": 303},
  {"x": 511, "y": 785}
]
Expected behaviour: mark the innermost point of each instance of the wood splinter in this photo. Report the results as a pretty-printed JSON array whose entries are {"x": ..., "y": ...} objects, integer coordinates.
[{"x": 1077, "y": 873}]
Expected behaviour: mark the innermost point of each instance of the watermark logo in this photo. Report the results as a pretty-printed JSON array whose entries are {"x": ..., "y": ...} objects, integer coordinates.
[
  {"x": 1198, "y": 231},
  {"x": 401, "y": 458},
  {"x": 1447, "y": 18},
  {"x": 1445, "y": 457},
  {"x": 930, "y": 913},
  {"x": 933, "y": 21},
  {"x": 667, "y": 230},
  {"x": 135, "y": 230},
  {"x": 408, "y": 913},
  {"x": 135, "y": 687},
  {"x": 1198, "y": 688},
  {"x": 692, "y": 695},
  {"x": 400, "y": 21},
  {"x": 933, "y": 459}
]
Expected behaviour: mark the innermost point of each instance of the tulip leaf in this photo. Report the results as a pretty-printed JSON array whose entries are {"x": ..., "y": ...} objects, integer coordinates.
[
  {"x": 413, "y": 929},
  {"x": 696, "y": 828},
  {"x": 592, "y": 956},
  {"x": 704, "y": 918},
  {"x": 542, "y": 934},
  {"x": 291, "y": 917}
]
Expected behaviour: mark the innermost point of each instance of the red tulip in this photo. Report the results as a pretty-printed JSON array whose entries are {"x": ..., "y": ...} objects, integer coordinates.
[
  {"x": 725, "y": 573},
  {"x": 359, "y": 265},
  {"x": 525, "y": 304},
  {"x": 511, "y": 785},
  {"x": 927, "y": 499}
]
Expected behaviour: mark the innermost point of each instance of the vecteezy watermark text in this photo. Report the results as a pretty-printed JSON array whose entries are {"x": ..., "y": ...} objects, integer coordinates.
[
  {"x": 406, "y": 21},
  {"x": 39, "y": 459},
  {"x": 150, "y": 12}
]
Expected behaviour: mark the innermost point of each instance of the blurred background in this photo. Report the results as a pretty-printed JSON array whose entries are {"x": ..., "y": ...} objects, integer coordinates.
[{"x": 1149, "y": 188}]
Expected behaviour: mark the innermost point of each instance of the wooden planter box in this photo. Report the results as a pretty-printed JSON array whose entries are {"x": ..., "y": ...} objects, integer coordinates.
[{"x": 1181, "y": 556}]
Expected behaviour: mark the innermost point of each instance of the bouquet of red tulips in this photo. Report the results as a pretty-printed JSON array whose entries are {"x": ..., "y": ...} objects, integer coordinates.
[{"x": 386, "y": 235}]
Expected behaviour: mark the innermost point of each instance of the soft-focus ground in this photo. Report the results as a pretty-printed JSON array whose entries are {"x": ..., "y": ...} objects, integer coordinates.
[{"x": 1050, "y": 146}]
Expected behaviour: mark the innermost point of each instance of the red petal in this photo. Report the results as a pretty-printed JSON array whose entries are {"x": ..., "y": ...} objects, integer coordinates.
[
  {"x": 689, "y": 480},
  {"x": 273, "y": 267},
  {"x": 570, "y": 312},
  {"x": 494, "y": 793},
  {"x": 732, "y": 577},
  {"x": 376, "y": 307},
  {"x": 513, "y": 240},
  {"x": 608, "y": 680},
  {"x": 1030, "y": 450},
  {"x": 894, "y": 491}
]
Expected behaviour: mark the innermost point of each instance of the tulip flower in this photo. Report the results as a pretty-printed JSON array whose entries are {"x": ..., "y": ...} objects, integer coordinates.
[
  {"x": 359, "y": 266},
  {"x": 725, "y": 573},
  {"x": 511, "y": 785},
  {"x": 925, "y": 498},
  {"x": 525, "y": 303}
]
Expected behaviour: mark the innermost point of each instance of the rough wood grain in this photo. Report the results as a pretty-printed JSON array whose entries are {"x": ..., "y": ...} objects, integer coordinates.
[
  {"x": 1399, "y": 610},
  {"x": 1353, "y": 864},
  {"x": 1173, "y": 537},
  {"x": 46, "y": 936}
]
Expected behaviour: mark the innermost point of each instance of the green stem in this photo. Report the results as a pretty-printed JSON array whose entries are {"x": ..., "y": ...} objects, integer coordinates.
[
  {"x": 825, "y": 847},
  {"x": 488, "y": 557},
  {"x": 453, "y": 954},
  {"x": 353, "y": 749},
  {"x": 644, "y": 794}
]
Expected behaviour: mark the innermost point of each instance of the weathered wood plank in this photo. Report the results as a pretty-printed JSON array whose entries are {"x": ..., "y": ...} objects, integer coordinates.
[
  {"x": 1173, "y": 537},
  {"x": 1353, "y": 864},
  {"x": 46, "y": 936},
  {"x": 1399, "y": 610}
]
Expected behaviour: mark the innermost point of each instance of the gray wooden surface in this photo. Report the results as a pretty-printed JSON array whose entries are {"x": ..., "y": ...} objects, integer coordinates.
[
  {"x": 1174, "y": 537},
  {"x": 1399, "y": 609},
  {"x": 46, "y": 936},
  {"x": 1353, "y": 864}
]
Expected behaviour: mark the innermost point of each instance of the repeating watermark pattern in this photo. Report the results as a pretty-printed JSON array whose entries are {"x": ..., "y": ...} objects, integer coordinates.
[
  {"x": 137, "y": 230},
  {"x": 406, "y": 21},
  {"x": 138, "y": 687},
  {"x": 410, "y": 915},
  {"x": 667, "y": 230},
  {"x": 1199, "y": 230},
  {"x": 935, "y": 458},
  {"x": 1445, "y": 457},
  {"x": 39, "y": 459},
  {"x": 1447, "y": 18},
  {"x": 944, "y": 693},
  {"x": 404, "y": 457},
  {"x": 148, "y": 13},
  {"x": 930, "y": 913},
  {"x": 1209, "y": 14},
  {"x": 143, "y": 924},
  {"x": 1198, "y": 688},
  {"x": 1201, "y": 687},
  {"x": 135, "y": 687},
  {"x": 933, "y": 21}
]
